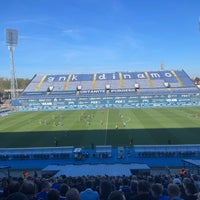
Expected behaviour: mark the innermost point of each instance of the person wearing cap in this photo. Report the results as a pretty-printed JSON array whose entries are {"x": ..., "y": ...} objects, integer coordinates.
[{"x": 176, "y": 180}]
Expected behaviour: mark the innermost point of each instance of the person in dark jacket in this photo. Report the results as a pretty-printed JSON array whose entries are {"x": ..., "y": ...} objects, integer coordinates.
[{"x": 143, "y": 190}]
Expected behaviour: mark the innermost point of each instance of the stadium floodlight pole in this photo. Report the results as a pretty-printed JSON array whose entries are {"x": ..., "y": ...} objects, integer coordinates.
[
  {"x": 199, "y": 24},
  {"x": 11, "y": 41}
]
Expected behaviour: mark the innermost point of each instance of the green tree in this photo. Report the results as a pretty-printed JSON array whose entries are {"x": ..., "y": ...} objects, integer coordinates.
[{"x": 5, "y": 84}]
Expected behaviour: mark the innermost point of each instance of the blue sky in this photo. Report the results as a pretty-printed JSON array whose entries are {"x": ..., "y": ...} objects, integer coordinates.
[{"x": 88, "y": 36}]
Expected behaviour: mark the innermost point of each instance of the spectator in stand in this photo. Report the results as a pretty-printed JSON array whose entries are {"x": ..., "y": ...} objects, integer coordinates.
[
  {"x": 42, "y": 195},
  {"x": 63, "y": 191},
  {"x": 79, "y": 184},
  {"x": 190, "y": 191},
  {"x": 116, "y": 195},
  {"x": 157, "y": 192},
  {"x": 174, "y": 192},
  {"x": 28, "y": 188},
  {"x": 4, "y": 188},
  {"x": 198, "y": 196},
  {"x": 13, "y": 187},
  {"x": 17, "y": 196},
  {"x": 134, "y": 184},
  {"x": 196, "y": 181},
  {"x": 183, "y": 172},
  {"x": 53, "y": 194},
  {"x": 143, "y": 190},
  {"x": 125, "y": 188},
  {"x": 55, "y": 184},
  {"x": 182, "y": 186},
  {"x": 89, "y": 193},
  {"x": 26, "y": 174},
  {"x": 105, "y": 189},
  {"x": 177, "y": 180},
  {"x": 72, "y": 194}
]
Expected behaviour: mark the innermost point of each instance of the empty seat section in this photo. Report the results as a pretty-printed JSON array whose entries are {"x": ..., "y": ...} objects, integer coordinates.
[
  {"x": 158, "y": 83},
  {"x": 143, "y": 83},
  {"x": 34, "y": 82},
  {"x": 101, "y": 84},
  {"x": 86, "y": 85},
  {"x": 185, "y": 78},
  {"x": 44, "y": 86},
  {"x": 73, "y": 85},
  {"x": 115, "y": 84},
  {"x": 58, "y": 86}
]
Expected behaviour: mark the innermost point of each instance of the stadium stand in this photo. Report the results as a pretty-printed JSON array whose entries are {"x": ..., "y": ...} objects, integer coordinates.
[
  {"x": 109, "y": 90},
  {"x": 153, "y": 156},
  {"x": 127, "y": 187}
]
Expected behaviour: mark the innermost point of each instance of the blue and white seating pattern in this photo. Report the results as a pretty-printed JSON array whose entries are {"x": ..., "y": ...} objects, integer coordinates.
[
  {"x": 175, "y": 78},
  {"x": 57, "y": 90}
]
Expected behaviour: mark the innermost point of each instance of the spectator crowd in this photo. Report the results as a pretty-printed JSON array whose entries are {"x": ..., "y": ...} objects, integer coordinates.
[{"x": 134, "y": 187}]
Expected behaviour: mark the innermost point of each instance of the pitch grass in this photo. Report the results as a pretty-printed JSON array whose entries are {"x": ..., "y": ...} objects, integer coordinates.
[{"x": 114, "y": 127}]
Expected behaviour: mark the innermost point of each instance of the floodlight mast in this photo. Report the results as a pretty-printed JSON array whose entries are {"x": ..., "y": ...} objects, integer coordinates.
[
  {"x": 199, "y": 24},
  {"x": 11, "y": 41}
]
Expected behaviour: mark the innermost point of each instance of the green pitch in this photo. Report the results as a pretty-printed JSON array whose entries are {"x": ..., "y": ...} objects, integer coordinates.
[{"x": 101, "y": 127}]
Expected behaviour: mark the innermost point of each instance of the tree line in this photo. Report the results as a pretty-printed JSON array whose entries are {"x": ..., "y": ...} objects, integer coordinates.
[
  {"x": 197, "y": 81},
  {"x": 5, "y": 84}
]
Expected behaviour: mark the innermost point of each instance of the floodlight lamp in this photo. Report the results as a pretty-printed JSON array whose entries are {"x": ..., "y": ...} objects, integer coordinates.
[{"x": 11, "y": 37}]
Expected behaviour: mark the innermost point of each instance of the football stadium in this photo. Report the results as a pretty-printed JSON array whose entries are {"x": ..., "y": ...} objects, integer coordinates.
[
  {"x": 103, "y": 123},
  {"x": 88, "y": 114}
]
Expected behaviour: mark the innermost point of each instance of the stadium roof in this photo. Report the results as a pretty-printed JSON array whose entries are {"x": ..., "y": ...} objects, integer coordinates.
[
  {"x": 194, "y": 163},
  {"x": 99, "y": 169}
]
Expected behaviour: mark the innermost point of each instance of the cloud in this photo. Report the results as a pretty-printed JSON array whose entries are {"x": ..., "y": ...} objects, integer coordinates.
[
  {"x": 33, "y": 20},
  {"x": 72, "y": 33}
]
